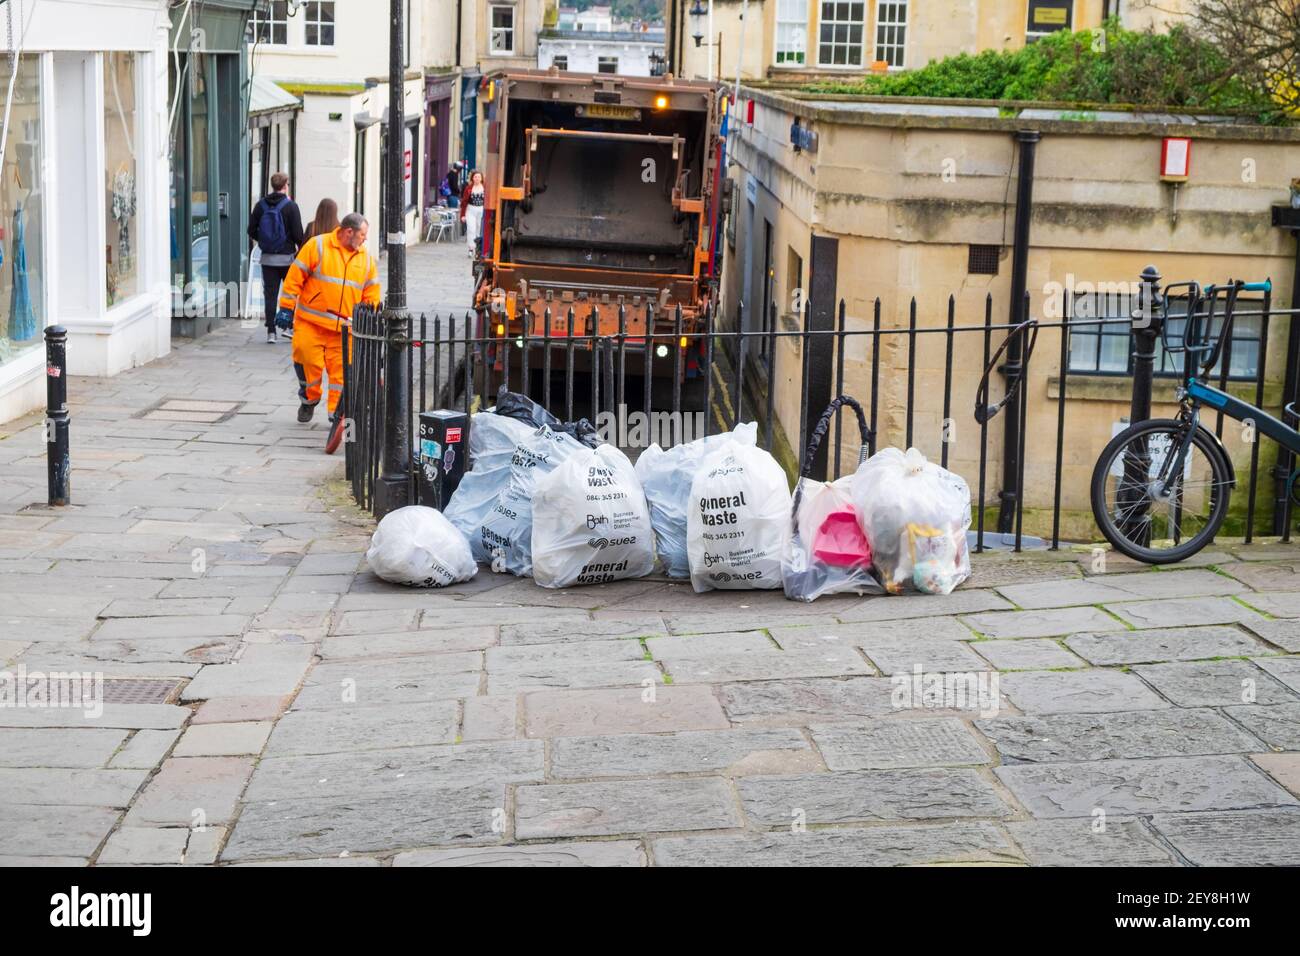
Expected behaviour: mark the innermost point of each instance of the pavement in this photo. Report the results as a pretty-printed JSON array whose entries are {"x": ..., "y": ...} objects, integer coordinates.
[{"x": 265, "y": 698}]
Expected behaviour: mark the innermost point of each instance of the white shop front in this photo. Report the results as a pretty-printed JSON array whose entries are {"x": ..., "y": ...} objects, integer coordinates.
[{"x": 84, "y": 229}]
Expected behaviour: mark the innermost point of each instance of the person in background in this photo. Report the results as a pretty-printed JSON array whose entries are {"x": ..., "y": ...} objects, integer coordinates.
[
  {"x": 472, "y": 204},
  {"x": 452, "y": 185},
  {"x": 326, "y": 219},
  {"x": 275, "y": 224},
  {"x": 332, "y": 274}
]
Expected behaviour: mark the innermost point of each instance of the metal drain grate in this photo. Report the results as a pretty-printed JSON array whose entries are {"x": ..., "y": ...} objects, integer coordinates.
[{"x": 138, "y": 691}]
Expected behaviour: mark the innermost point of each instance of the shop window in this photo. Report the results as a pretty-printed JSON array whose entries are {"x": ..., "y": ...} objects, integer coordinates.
[
  {"x": 320, "y": 24},
  {"x": 270, "y": 23},
  {"x": 560, "y": 62},
  {"x": 502, "y": 39},
  {"x": 606, "y": 64},
  {"x": 22, "y": 221},
  {"x": 840, "y": 33},
  {"x": 891, "y": 32},
  {"x": 791, "y": 32},
  {"x": 120, "y": 187}
]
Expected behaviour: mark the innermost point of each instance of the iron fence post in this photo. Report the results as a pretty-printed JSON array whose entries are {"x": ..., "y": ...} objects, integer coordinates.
[
  {"x": 1147, "y": 320},
  {"x": 58, "y": 454}
]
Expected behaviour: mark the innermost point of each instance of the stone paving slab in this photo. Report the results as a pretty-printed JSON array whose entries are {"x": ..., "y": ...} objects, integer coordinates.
[
  {"x": 45, "y": 786},
  {"x": 606, "y": 853},
  {"x": 1278, "y": 725},
  {"x": 1122, "y": 842},
  {"x": 730, "y": 752},
  {"x": 521, "y": 680},
  {"x": 1215, "y": 683},
  {"x": 1028, "y": 653},
  {"x": 1281, "y": 632},
  {"x": 1057, "y": 738},
  {"x": 1078, "y": 692},
  {"x": 1252, "y": 837},
  {"x": 1165, "y": 644},
  {"x": 45, "y": 831},
  {"x": 797, "y": 702},
  {"x": 583, "y": 713},
  {"x": 190, "y": 791},
  {"x": 951, "y": 843},
  {"x": 407, "y": 643},
  {"x": 714, "y": 669},
  {"x": 353, "y": 727},
  {"x": 1051, "y": 623},
  {"x": 396, "y": 770},
  {"x": 1186, "y": 612},
  {"x": 375, "y": 823},
  {"x": 1166, "y": 784},
  {"x": 860, "y": 796},
  {"x": 898, "y": 744},
  {"x": 902, "y": 655},
  {"x": 1285, "y": 669},
  {"x": 609, "y": 809},
  {"x": 55, "y": 747},
  {"x": 324, "y": 693}
]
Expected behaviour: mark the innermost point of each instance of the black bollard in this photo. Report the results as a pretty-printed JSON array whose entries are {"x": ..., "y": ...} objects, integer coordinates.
[{"x": 57, "y": 451}]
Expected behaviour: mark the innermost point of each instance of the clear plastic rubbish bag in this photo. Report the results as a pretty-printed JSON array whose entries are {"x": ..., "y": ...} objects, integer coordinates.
[
  {"x": 828, "y": 552},
  {"x": 504, "y": 537},
  {"x": 666, "y": 477},
  {"x": 419, "y": 547},
  {"x": 492, "y": 442},
  {"x": 915, "y": 514},
  {"x": 590, "y": 522},
  {"x": 738, "y": 523}
]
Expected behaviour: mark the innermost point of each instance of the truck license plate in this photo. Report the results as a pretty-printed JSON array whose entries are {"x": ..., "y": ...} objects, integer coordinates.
[{"x": 607, "y": 111}]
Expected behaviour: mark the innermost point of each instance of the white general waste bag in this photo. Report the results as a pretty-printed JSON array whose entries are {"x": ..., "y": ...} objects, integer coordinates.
[
  {"x": 590, "y": 522},
  {"x": 419, "y": 547},
  {"x": 504, "y": 537},
  {"x": 915, "y": 514},
  {"x": 492, "y": 441},
  {"x": 666, "y": 477},
  {"x": 738, "y": 522}
]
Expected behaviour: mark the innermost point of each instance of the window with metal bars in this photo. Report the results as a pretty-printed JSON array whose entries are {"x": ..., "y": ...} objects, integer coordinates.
[{"x": 983, "y": 260}]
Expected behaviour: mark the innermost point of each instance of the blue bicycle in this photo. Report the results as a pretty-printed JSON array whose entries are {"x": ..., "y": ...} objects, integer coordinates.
[{"x": 1160, "y": 489}]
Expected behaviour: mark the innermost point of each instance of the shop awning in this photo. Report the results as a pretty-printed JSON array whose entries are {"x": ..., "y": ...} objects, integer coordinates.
[{"x": 268, "y": 97}]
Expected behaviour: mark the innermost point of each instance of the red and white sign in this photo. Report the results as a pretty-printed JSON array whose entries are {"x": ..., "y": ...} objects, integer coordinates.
[
  {"x": 453, "y": 436},
  {"x": 1176, "y": 158},
  {"x": 406, "y": 163}
]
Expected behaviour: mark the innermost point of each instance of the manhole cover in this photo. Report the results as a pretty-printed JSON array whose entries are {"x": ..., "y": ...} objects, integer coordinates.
[
  {"x": 200, "y": 411},
  {"x": 135, "y": 691}
]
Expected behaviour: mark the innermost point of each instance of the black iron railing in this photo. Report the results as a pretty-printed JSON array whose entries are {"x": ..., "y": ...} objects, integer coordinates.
[{"x": 911, "y": 375}]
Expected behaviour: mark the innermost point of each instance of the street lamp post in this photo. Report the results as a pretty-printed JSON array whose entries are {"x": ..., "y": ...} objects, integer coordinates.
[{"x": 393, "y": 489}]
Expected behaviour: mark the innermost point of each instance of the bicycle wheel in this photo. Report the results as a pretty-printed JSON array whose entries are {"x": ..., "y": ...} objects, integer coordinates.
[{"x": 1153, "y": 522}]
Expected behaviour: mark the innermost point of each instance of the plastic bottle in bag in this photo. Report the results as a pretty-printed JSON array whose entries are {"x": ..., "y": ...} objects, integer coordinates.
[
  {"x": 419, "y": 547},
  {"x": 738, "y": 523},
  {"x": 590, "y": 522},
  {"x": 666, "y": 477},
  {"x": 915, "y": 515}
]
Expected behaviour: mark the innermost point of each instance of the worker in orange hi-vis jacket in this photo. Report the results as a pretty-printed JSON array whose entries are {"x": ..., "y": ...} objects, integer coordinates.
[{"x": 331, "y": 274}]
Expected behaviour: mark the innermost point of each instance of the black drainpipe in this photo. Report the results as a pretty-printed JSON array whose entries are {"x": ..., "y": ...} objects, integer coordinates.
[
  {"x": 458, "y": 29},
  {"x": 672, "y": 37},
  {"x": 1028, "y": 140}
]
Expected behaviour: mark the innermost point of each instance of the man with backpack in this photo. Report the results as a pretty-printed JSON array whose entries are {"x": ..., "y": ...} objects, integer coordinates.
[{"x": 275, "y": 224}]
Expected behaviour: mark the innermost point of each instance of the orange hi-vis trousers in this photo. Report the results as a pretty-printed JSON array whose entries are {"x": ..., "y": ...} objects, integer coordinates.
[{"x": 318, "y": 352}]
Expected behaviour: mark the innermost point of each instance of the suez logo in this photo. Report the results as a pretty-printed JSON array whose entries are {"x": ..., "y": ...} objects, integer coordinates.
[
  {"x": 77, "y": 909},
  {"x": 599, "y": 544}
]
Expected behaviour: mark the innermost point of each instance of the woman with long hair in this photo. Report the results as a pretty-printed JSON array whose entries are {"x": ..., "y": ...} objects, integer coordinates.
[
  {"x": 325, "y": 220},
  {"x": 472, "y": 205}
]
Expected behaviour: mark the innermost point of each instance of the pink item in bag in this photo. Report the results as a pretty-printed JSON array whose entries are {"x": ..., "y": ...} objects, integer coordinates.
[{"x": 840, "y": 542}]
